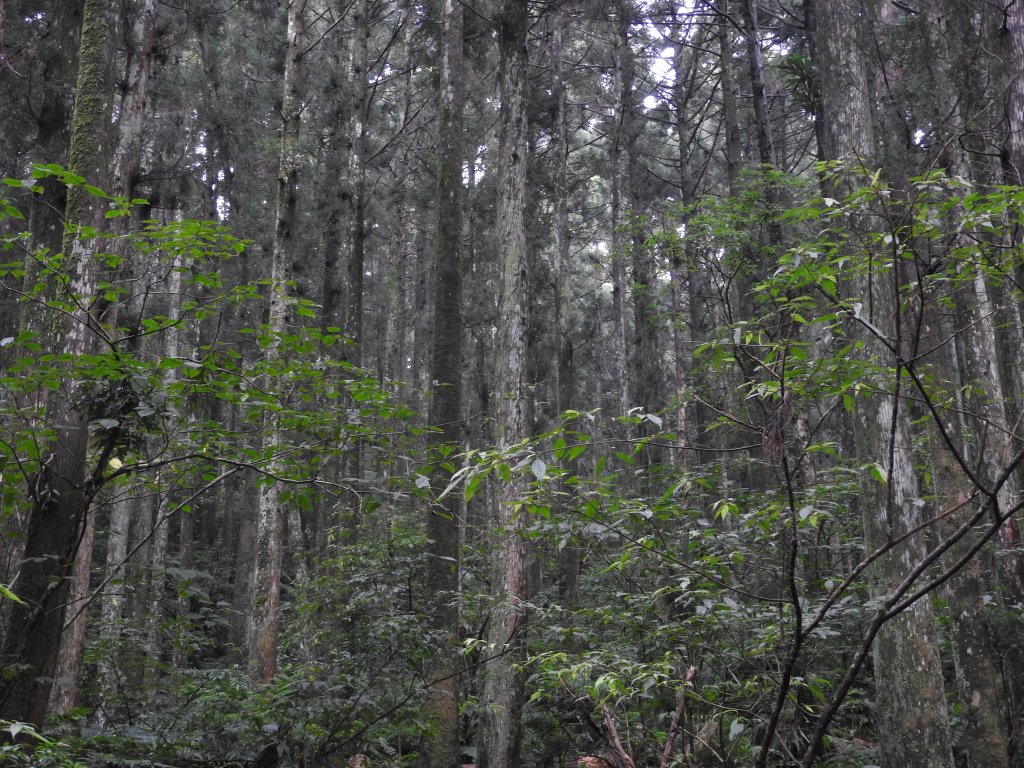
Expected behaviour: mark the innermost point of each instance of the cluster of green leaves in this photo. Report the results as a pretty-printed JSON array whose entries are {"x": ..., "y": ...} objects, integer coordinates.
[
  {"x": 687, "y": 596},
  {"x": 692, "y": 570},
  {"x": 24, "y": 745},
  {"x": 175, "y": 427}
]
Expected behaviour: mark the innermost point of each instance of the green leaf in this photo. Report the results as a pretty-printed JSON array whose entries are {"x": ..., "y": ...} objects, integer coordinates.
[
  {"x": 9, "y": 595},
  {"x": 878, "y": 472},
  {"x": 575, "y": 451},
  {"x": 472, "y": 485}
]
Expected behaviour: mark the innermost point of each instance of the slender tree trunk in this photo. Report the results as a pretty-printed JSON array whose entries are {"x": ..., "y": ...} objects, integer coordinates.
[
  {"x": 161, "y": 529},
  {"x": 441, "y": 749},
  {"x": 762, "y": 122},
  {"x": 619, "y": 347},
  {"x": 730, "y": 96},
  {"x": 336, "y": 218},
  {"x": 645, "y": 376},
  {"x": 186, "y": 555},
  {"x": 682, "y": 273},
  {"x": 395, "y": 322},
  {"x": 159, "y": 538},
  {"x": 356, "y": 180},
  {"x": 266, "y": 593},
  {"x": 565, "y": 370},
  {"x": 245, "y": 558},
  {"x": 124, "y": 506},
  {"x": 502, "y": 700}
]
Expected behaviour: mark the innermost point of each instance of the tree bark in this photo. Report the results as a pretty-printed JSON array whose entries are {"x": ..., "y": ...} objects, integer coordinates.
[
  {"x": 127, "y": 157},
  {"x": 113, "y": 599},
  {"x": 441, "y": 747},
  {"x": 762, "y": 123},
  {"x": 266, "y": 591},
  {"x": 985, "y": 400},
  {"x": 645, "y": 375},
  {"x": 730, "y": 96},
  {"x": 912, "y": 725},
  {"x": 1013, "y": 148},
  {"x": 356, "y": 182},
  {"x": 59, "y": 71},
  {"x": 619, "y": 346},
  {"x": 503, "y": 692},
  {"x": 565, "y": 369},
  {"x": 64, "y": 487},
  {"x": 64, "y": 693}
]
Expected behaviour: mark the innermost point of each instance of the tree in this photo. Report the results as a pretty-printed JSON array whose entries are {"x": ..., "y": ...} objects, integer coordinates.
[
  {"x": 443, "y": 517},
  {"x": 65, "y": 486},
  {"x": 906, "y": 649},
  {"x": 271, "y": 515},
  {"x": 124, "y": 176},
  {"x": 502, "y": 697}
]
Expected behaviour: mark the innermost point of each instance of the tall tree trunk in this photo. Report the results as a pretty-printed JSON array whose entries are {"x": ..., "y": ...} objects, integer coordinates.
[
  {"x": 979, "y": 686},
  {"x": 645, "y": 376},
  {"x": 183, "y": 607},
  {"x": 356, "y": 181},
  {"x": 1009, "y": 535},
  {"x": 355, "y": 193},
  {"x": 63, "y": 489},
  {"x": 64, "y": 694},
  {"x": 912, "y": 726},
  {"x": 441, "y": 748},
  {"x": 124, "y": 506},
  {"x": 683, "y": 269},
  {"x": 730, "y": 97},
  {"x": 981, "y": 690},
  {"x": 565, "y": 370},
  {"x": 161, "y": 528},
  {"x": 127, "y": 157},
  {"x": 132, "y": 115},
  {"x": 502, "y": 700},
  {"x": 393, "y": 322},
  {"x": 156, "y": 583},
  {"x": 619, "y": 346},
  {"x": 1013, "y": 149},
  {"x": 762, "y": 123},
  {"x": 266, "y": 591},
  {"x": 336, "y": 215},
  {"x": 60, "y": 66}
]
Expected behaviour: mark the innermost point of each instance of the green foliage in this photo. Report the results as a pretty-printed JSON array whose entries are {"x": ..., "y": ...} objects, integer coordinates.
[
  {"x": 157, "y": 434},
  {"x": 693, "y": 571},
  {"x": 28, "y": 747},
  {"x": 693, "y": 584}
]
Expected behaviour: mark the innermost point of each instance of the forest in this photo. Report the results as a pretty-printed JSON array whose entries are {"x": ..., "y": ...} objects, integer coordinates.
[{"x": 533, "y": 383}]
